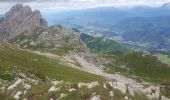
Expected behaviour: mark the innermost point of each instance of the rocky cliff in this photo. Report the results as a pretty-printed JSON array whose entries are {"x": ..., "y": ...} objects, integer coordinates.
[
  {"x": 21, "y": 20},
  {"x": 54, "y": 37}
]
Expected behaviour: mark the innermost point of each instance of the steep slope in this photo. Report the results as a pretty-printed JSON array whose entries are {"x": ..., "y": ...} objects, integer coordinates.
[
  {"x": 103, "y": 45},
  {"x": 27, "y": 62},
  {"x": 53, "y": 38},
  {"x": 21, "y": 20},
  {"x": 38, "y": 77},
  {"x": 145, "y": 66}
]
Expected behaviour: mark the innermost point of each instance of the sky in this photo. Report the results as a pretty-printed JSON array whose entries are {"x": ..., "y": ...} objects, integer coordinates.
[{"x": 5, "y": 5}]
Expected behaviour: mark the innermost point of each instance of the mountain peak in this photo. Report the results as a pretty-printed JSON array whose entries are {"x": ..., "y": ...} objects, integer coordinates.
[{"x": 21, "y": 20}]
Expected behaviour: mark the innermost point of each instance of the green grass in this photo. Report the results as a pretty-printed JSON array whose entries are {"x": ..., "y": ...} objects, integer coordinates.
[
  {"x": 164, "y": 58},
  {"x": 104, "y": 46},
  {"x": 146, "y": 67},
  {"x": 38, "y": 92},
  {"x": 59, "y": 52},
  {"x": 15, "y": 60}
]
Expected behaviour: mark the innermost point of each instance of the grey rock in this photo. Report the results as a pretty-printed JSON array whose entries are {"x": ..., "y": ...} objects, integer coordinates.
[
  {"x": 96, "y": 97},
  {"x": 21, "y": 20},
  {"x": 59, "y": 37}
]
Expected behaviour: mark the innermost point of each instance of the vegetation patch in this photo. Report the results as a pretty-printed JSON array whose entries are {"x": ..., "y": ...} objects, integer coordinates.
[
  {"x": 146, "y": 66},
  {"x": 103, "y": 45},
  {"x": 164, "y": 58},
  {"x": 44, "y": 67}
]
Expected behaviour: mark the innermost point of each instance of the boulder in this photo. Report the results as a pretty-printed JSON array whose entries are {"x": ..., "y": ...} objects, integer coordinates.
[
  {"x": 130, "y": 91},
  {"x": 17, "y": 95},
  {"x": 62, "y": 96},
  {"x": 13, "y": 86},
  {"x": 89, "y": 85},
  {"x": 72, "y": 89},
  {"x": 152, "y": 92},
  {"x": 95, "y": 97},
  {"x": 111, "y": 93},
  {"x": 93, "y": 84},
  {"x": 54, "y": 83},
  {"x": 126, "y": 98},
  {"x": 53, "y": 89},
  {"x": 121, "y": 86},
  {"x": 27, "y": 86},
  {"x": 81, "y": 85},
  {"x": 164, "y": 98}
]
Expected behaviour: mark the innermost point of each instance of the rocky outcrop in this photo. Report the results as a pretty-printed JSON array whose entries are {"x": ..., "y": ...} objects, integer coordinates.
[
  {"x": 59, "y": 37},
  {"x": 21, "y": 20},
  {"x": 53, "y": 38},
  {"x": 152, "y": 92}
]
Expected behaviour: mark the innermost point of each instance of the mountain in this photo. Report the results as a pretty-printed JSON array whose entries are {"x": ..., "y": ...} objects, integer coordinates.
[
  {"x": 104, "y": 45},
  {"x": 21, "y": 20},
  {"x": 143, "y": 27},
  {"x": 55, "y": 63},
  {"x": 108, "y": 15},
  {"x": 53, "y": 38},
  {"x": 137, "y": 23},
  {"x": 153, "y": 31}
]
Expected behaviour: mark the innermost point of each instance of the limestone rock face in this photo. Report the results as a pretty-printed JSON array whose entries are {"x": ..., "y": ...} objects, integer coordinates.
[
  {"x": 152, "y": 92},
  {"x": 59, "y": 37},
  {"x": 21, "y": 20}
]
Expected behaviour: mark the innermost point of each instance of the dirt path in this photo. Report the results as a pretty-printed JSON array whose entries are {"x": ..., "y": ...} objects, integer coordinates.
[
  {"x": 91, "y": 68},
  {"x": 70, "y": 60}
]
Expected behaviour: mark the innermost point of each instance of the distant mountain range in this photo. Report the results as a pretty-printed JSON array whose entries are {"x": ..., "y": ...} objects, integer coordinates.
[
  {"x": 152, "y": 30},
  {"x": 103, "y": 15},
  {"x": 139, "y": 27}
]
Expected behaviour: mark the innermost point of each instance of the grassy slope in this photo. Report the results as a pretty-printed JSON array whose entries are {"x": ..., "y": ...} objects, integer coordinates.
[
  {"x": 164, "y": 58},
  {"x": 101, "y": 45},
  {"x": 146, "y": 67},
  {"x": 43, "y": 66}
]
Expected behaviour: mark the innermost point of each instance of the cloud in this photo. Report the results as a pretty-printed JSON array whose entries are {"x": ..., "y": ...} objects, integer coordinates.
[{"x": 77, "y": 4}]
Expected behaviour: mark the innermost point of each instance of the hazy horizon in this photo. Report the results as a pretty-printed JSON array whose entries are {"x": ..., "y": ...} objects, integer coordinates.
[{"x": 60, "y": 5}]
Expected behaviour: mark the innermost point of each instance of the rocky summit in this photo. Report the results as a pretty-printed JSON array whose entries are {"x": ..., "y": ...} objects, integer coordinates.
[{"x": 21, "y": 20}]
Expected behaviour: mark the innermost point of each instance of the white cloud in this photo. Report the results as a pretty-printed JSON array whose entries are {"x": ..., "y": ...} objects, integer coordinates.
[{"x": 77, "y": 4}]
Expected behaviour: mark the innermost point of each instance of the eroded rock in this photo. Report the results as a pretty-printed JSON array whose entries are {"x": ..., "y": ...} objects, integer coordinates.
[
  {"x": 19, "y": 81},
  {"x": 21, "y": 20},
  {"x": 17, "y": 95},
  {"x": 95, "y": 97}
]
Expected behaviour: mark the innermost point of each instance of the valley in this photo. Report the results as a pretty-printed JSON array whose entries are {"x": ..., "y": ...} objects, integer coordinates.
[
  {"x": 143, "y": 28},
  {"x": 52, "y": 62}
]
